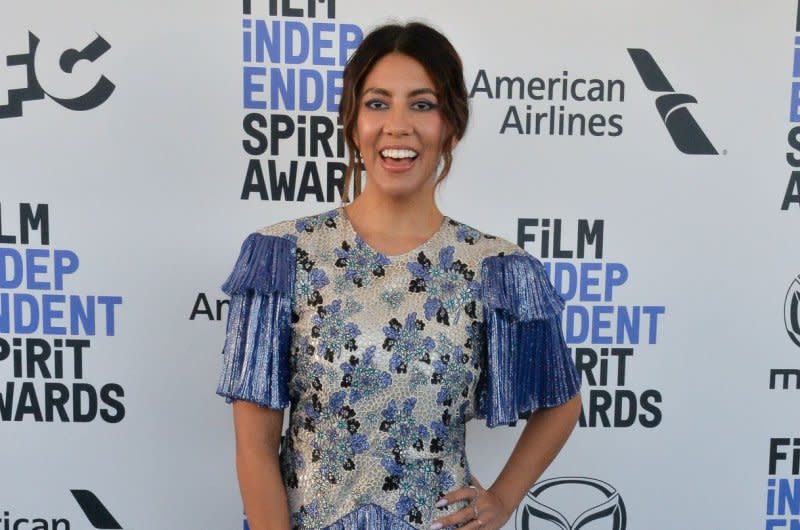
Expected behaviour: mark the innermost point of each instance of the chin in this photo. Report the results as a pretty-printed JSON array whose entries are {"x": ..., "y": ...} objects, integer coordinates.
[{"x": 397, "y": 188}]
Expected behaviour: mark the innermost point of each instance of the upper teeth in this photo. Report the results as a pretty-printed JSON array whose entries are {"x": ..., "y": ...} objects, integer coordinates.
[{"x": 398, "y": 153}]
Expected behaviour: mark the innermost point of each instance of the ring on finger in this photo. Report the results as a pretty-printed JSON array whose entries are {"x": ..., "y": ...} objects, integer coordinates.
[
  {"x": 475, "y": 516},
  {"x": 477, "y": 493}
]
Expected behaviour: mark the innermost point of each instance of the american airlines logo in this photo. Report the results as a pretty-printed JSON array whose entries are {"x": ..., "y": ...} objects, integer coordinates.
[
  {"x": 592, "y": 500},
  {"x": 689, "y": 138},
  {"x": 94, "y": 510}
]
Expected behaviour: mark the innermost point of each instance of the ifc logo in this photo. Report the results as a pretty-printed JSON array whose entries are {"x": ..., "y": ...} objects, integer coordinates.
[{"x": 791, "y": 311}]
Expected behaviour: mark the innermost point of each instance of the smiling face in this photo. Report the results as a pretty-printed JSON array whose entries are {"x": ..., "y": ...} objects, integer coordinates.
[{"x": 399, "y": 128}]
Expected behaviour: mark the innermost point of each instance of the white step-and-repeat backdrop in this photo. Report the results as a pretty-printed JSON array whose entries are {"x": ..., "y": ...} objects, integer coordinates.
[{"x": 647, "y": 152}]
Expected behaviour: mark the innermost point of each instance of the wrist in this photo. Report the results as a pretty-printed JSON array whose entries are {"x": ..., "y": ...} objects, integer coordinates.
[{"x": 506, "y": 505}]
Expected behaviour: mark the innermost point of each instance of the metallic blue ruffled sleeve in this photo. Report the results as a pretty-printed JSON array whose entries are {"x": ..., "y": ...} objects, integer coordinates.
[
  {"x": 528, "y": 365},
  {"x": 259, "y": 334}
]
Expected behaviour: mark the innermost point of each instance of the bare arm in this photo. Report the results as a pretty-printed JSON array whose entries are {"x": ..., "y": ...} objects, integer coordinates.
[
  {"x": 258, "y": 435},
  {"x": 544, "y": 435}
]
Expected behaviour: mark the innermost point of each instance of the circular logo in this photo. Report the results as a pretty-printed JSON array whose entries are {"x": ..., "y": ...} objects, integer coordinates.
[
  {"x": 791, "y": 311},
  {"x": 591, "y": 499}
]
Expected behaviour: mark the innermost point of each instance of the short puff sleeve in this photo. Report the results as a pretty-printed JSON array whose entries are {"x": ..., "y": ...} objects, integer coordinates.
[
  {"x": 258, "y": 335},
  {"x": 527, "y": 364}
]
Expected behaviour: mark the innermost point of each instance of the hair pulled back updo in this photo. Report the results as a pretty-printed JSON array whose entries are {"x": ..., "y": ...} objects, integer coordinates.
[{"x": 440, "y": 60}]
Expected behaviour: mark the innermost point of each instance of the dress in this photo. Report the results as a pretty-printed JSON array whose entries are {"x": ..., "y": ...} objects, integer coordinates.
[{"x": 383, "y": 359}]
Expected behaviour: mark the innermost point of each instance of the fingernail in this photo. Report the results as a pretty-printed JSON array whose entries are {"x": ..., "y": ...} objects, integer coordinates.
[
  {"x": 436, "y": 526},
  {"x": 441, "y": 502}
]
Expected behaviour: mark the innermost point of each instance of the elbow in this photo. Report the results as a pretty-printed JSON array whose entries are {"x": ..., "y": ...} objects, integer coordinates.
[{"x": 567, "y": 413}]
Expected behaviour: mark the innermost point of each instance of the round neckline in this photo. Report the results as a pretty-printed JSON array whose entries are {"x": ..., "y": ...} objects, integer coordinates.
[{"x": 415, "y": 250}]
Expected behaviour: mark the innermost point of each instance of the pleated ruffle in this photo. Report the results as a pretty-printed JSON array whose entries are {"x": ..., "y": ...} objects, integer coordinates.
[
  {"x": 528, "y": 365},
  {"x": 258, "y": 336},
  {"x": 265, "y": 265},
  {"x": 370, "y": 517}
]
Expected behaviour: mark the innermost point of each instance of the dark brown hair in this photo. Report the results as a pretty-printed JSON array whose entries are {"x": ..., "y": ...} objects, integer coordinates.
[{"x": 440, "y": 60}]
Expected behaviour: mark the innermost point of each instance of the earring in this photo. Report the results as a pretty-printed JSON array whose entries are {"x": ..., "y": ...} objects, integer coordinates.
[{"x": 359, "y": 167}]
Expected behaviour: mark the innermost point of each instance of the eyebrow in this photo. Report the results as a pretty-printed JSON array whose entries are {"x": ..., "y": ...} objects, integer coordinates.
[{"x": 414, "y": 93}]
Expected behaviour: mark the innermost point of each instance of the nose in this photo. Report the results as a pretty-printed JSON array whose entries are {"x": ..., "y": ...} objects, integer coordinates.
[{"x": 398, "y": 121}]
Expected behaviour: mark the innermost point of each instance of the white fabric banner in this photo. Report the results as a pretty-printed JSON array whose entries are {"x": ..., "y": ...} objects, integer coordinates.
[{"x": 644, "y": 152}]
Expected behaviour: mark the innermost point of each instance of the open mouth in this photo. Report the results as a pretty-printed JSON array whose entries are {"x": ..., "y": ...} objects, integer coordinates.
[{"x": 390, "y": 155}]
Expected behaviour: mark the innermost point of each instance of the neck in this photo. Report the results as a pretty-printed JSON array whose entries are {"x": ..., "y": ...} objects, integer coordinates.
[
  {"x": 384, "y": 216},
  {"x": 391, "y": 226}
]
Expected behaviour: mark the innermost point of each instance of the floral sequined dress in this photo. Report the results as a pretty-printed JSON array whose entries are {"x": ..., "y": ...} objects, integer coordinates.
[{"x": 383, "y": 359}]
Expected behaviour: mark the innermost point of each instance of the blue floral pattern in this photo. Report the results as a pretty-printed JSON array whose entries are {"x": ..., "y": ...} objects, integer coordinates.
[
  {"x": 452, "y": 371},
  {"x": 335, "y": 447},
  {"x": 450, "y": 286},
  {"x": 308, "y": 285},
  {"x": 360, "y": 264},
  {"x": 333, "y": 332},
  {"x": 419, "y": 485},
  {"x": 309, "y": 224},
  {"x": 467, "y": 234},
  {"x": 387, "y": 363},
  {"x": 407, "y": 343},
  {"x": 362, "y": 377}
]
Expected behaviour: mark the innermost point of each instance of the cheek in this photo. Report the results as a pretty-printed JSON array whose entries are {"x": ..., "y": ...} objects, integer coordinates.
[
  {"x": 435, "y": 131},
  {"x": 433, "y": 123},
  {"x": 364, "y": 133}
]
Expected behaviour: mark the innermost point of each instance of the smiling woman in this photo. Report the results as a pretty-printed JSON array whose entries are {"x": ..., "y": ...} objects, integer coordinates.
[
  {"x": 438, "y": 71},
  {"x": 399, "y": 130},
  {"x": 386, "y": 326}
]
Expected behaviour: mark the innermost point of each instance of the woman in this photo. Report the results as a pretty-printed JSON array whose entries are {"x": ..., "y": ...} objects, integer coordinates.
[{"x": 387, "y": 326}]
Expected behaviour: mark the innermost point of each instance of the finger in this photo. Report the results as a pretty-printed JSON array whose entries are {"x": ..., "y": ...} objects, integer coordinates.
[
  {"x": 461, "y": 517},
  {"x": 461, "y": 494},
  {"x": 475, "y": 524},
  {"x": 475, "y": 482}
]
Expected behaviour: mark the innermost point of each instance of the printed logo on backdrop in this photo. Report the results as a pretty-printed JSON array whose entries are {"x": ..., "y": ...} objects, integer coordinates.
[
  {"x": 555, "y": 105},
  {"x": 69, "y": 59},
  {"x": 792, "y": 193},
  {"x": 689, "y": 138},
  {"x": 293, "y": 57},
  {"x": 572, "y": 503},
  {"x": 585, "y": 105},
  {"x": 783, "y": 484},
  {"x": 95, "y": 511},
  {"x": 789, "y": 378},
  {"x": 46, "y": 328},
  {"x": 606, "y": 336},
  {"x": 91, "y": 506},
  {"x": 791, "y": 311}
]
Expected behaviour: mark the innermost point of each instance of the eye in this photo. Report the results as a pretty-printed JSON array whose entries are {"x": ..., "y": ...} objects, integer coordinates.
[
  {"x": 375, "y": 104},
  {"x": 424, "y": 105}
]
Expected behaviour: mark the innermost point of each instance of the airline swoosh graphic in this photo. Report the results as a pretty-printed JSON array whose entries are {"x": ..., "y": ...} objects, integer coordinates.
[
  {"x": 654, "y": 79},
  {"x": 95, "y": 511},
  {"x": 686, "y": 133}
]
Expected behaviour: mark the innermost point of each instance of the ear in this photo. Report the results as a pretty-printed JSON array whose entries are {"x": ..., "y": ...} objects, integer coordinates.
[{"x": 453, "y": 143}]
